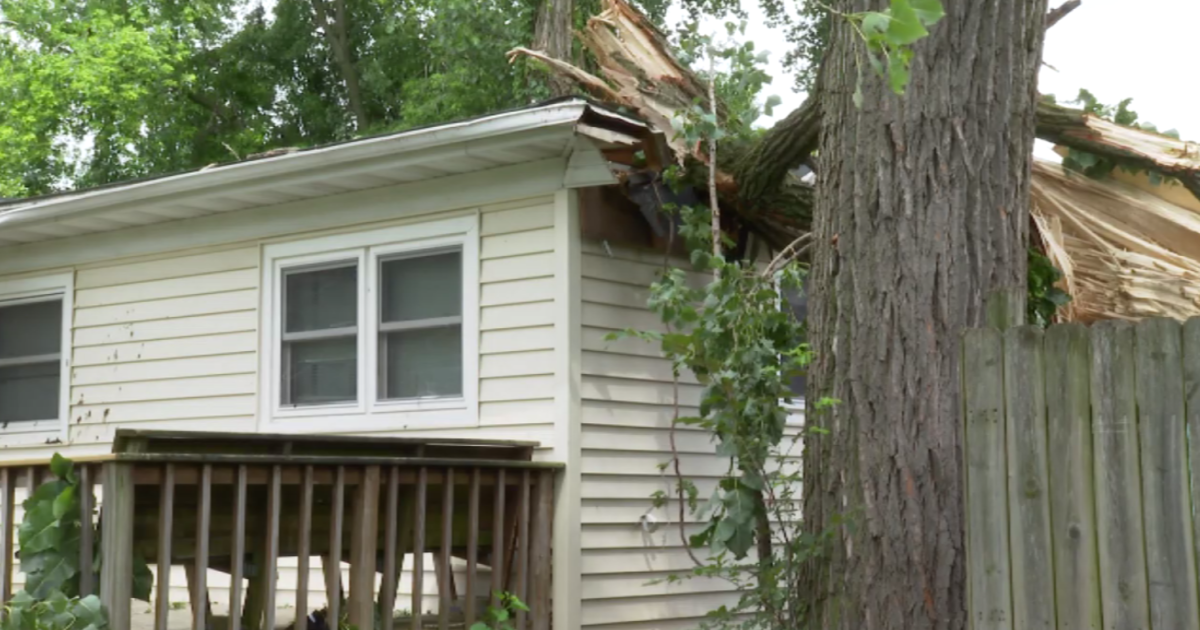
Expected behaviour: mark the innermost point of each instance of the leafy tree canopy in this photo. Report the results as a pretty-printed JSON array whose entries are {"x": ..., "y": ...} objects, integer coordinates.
[{"x": 96, "y": 91}]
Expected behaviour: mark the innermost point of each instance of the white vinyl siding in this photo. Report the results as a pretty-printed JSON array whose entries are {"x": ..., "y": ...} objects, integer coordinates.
[
  {"x": 627, "y": 399},
  {"x": 167, "y": 343}
]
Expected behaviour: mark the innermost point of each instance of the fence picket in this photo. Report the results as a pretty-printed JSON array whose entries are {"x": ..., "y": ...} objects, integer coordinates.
[
  {"x": 1118, "y": 481},
  {"x": 1028, "y": 501},
  {"x": 990, "y": 589},
  {"x": 1072, "y": 491},
  {"x": 1170, "y": 558},
  {"x": 1191, "y": 387}
]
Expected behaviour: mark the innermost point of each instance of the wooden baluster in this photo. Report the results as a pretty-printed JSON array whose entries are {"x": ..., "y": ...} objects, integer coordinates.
[
  {"x": 31, "y": 480},
  {"x": 522, "y": 589},
  {"x": 363, "y": 544},
  {"x": 418, "y": 573},
  {"x": 472, "y": 546},
  {"x": 8, "y": 493},
  {"x": 539, "y": 604},
  {"x": 445, "y": 587},
  {"x": 333, "y": 561},
  {"x": 237, "y": 557},
  {"x": 200, "y": 609},
  {"x": 387, "y": 597},
  {"x": 166, "y": 516},
  {"x": 498, "y": 539},
  {"x": 116, "y": 544},
  {"x": 270, "y": 566},
  {"x": 304, "y": 548},
  {"x": 87, "y": 540}
]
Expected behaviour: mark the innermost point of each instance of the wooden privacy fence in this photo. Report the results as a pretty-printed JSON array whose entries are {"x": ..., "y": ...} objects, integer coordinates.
[
  {"x": 187, "y": 500},
  {"x": 1082, "y": 451}
]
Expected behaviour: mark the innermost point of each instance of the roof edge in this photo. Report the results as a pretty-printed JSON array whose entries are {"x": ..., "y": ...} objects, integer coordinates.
[{"x": 52, "y": 208}]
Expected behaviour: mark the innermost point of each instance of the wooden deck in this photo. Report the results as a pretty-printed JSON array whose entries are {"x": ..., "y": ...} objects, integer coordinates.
[{"x": 239, "y": 503}]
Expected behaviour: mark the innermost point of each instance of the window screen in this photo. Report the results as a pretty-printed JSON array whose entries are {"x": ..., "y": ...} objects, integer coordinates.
[
  {"x": 30, "y": 360},
  {"x": 320, "y": 334},
  {"x": 420, "y": 326}
]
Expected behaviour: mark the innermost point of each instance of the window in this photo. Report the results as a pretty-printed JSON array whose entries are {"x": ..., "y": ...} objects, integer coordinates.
[
  {"x": 420, "y": 326},
  {"x": 320, "y": 334},
  {"x": 377, "y": 328},
  {"x": 34, "y": 347}
]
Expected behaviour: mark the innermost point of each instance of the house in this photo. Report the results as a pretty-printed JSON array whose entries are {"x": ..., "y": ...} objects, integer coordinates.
[{"x": 276, "y": 296}]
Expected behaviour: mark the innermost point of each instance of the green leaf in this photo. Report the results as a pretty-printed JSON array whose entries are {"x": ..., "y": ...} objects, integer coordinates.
[
  {"x": 928, "y": 11},
  {"x": 875, "y": 23},
  {"x": 61, "y": 466},
  {"x": 858, "y": 94},
  {"x": 905, "y": 27},
  {"x": 898, "y": 73},
  {"x": 65, "y": 502}
]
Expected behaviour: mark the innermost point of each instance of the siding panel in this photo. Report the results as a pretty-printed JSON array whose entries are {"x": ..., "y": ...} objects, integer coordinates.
[{"x": 627, "y": 410}]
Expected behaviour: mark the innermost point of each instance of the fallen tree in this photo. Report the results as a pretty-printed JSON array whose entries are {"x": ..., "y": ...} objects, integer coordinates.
[{"x": 641, "y": 72}]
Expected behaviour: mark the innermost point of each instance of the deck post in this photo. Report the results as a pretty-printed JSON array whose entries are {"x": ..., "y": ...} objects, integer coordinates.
[
  {"x": 363, "y": 544},
  {"x": 116, "y": 543}
]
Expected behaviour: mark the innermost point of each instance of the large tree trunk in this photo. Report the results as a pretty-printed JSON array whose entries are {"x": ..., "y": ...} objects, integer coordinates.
[
  {"x": 339, "y": 41},
  {"x": 922, "y": 210},
  {"x": 552, "y": 35}
]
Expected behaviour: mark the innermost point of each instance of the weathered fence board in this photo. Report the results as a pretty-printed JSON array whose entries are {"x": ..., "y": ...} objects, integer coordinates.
[
  {"x": 990, "y": 586},
  {"x": 1118, "y": 478},
  {"x": 1082, "y": 463},
  {"x": 1166, "y": 508},
  {"x": 1191, "y": 388},
  {"x": 1028, "y": 479},
  {"x": 1072, "y": 492}
]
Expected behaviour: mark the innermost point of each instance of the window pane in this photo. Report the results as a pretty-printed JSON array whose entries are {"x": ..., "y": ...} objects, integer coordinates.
[
  {"x": 31, "y": 329},
  {"x": 422, "y": 363},
  {"x": 29, "y": 392},
  {"x": 323, "y": 371},
  {"x": 321, "y": 299},
  {"x": 422, "y": 288}
]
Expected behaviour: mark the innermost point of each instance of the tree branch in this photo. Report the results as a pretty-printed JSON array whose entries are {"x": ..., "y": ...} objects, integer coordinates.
[
  {"x": 1061, "y": 12},
  {"x": 341, "y": 52}
]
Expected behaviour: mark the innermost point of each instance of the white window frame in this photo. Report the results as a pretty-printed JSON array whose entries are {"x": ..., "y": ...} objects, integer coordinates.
[
  {"x": 43, "y": 289},
  {"x": 368, "y": 248}
]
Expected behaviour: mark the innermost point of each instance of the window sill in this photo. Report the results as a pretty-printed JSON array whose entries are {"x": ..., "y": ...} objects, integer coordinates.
[{"x": 408, "y": 415}]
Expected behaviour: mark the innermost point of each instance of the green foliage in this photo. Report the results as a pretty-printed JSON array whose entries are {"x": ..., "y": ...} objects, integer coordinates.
[
  {"x": 49, "y": 538},
  {"x": 1044, "y": 297},
  {"x": 97, "y": 91},
  {"x": 54, "y": 612},
  {"x": 50, "y": 533},
  {"x": 501, "y": 617},
  {"x": 49, "y": 541},
  {"x": 1096, "y": 166},
  {"x": 889, "y": 37}
]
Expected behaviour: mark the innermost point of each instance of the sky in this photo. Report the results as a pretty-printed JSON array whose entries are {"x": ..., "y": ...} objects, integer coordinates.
[{"x": 1145, "y": 49}]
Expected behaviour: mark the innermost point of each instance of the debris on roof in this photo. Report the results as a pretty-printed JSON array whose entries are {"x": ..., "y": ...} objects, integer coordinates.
[{"x": 1128, "y": 249}]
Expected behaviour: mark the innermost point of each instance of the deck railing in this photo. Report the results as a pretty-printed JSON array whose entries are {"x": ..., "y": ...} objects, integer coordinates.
[{"x": 240, "y": 513}]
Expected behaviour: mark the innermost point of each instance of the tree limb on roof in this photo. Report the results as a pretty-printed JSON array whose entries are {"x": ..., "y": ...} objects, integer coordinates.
[{"x": 644, "y": 75}]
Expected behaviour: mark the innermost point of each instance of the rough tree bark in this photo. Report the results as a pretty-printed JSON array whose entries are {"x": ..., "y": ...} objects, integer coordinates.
[
  {"x": 552, "y": 36},
  {"x": 922, "y": 209},
  {"x": 335, "y": 35}
]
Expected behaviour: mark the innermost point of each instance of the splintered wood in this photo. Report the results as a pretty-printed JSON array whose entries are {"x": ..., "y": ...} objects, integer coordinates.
[
  {"x": 641, "y": 71},
  {"x": 1125, "y": 253}
]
